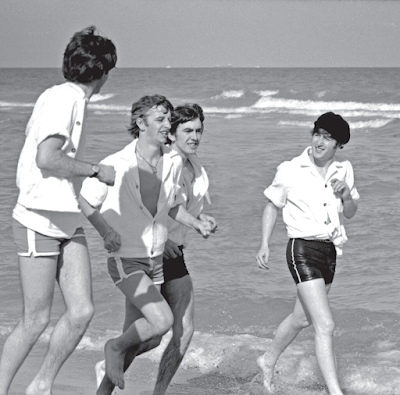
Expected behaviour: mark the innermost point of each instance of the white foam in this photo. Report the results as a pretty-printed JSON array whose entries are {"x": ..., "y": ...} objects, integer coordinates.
[
  {"x": 99, "y": 97},
  {"x": 231, "y": 94},
  {"x": 371, "y": 124}
]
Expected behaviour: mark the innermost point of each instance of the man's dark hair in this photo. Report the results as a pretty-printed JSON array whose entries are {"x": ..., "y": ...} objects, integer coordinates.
[
  {"x": 140, "y": 108},
  {"x": 88, "y": 56},
  {"x": 185, "y": 113}
]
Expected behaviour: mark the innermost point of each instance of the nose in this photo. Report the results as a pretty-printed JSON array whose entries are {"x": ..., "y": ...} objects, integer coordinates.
[
  {"x": 193, "y": 135},
  {"x": 320, "y": 140},
  {"x": 167, "y": 123}
]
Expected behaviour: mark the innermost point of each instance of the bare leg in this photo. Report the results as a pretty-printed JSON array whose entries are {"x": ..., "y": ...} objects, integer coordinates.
[
  {"x": 179, "y": 295},
  {"x": 287, "y": 331},
  {"x": 37, "y": 283},
  {"x": 316, "y": 302},
  {"x": 75, "y": 284},
  {"x": 152, "y": 319}
]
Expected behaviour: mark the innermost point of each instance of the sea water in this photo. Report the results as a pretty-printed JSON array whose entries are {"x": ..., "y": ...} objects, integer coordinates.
[{"x": 255, "y": 119}]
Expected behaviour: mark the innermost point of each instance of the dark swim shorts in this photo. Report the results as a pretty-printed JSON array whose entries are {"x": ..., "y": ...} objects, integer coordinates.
[
  {"x": 311, "y": 259},
  {"x": 175, "y": 267}
]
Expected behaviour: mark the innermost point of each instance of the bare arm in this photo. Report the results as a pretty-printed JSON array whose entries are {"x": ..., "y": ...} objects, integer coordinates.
[
  {"x": 50, "y": 158},
  {"x": 268, "y": 223},
  {"x": 341, "y": 189},
  {"x": 180, "y": 214},
  {"x": 112, "y": 240}
]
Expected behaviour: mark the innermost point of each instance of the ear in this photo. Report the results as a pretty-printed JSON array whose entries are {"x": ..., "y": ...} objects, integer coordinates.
[{"x": 140, "y": 123}]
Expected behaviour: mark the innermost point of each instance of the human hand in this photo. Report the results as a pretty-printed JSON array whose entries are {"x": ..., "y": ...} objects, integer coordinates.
[
  {"x": 262, "y": 257},
  {"x": 341, "y": 189},
  {"x": 106, "y": 174},
  {"x": 171, "y": 250},
  {"x": 211, "y": 220},
  {"x": 203, "y": 227},
  {"x": 112, "y": 241}
]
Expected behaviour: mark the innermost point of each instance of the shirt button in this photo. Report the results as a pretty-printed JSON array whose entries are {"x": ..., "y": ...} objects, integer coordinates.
[
  {"x": 326, "y": 185},
  {"x": 73, "y": 150},
  {"x": 325, "y": 223},
  {"x": 141, "y": 207},
  {"x": 324, "y": 204},
  {"x": 137, "y": 186},
  {"x": 78, "y": 123}
]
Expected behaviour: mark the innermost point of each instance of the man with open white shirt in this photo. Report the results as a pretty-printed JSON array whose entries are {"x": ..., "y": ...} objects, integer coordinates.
[
  {"x": 315, "y": 192},
  {"x": 132, "y": 220}
]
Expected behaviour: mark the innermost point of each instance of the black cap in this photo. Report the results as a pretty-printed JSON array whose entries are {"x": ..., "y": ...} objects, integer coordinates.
[{"x": 335, "y": 125}]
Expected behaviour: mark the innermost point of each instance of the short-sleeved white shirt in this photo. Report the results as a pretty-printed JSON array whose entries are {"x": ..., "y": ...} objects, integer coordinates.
[
  {"x": 59, "y": 111},
  {"x": 310, "y": 208},
  {"x": 142, "y": 235},
  {"x": 194, "y": 198}
]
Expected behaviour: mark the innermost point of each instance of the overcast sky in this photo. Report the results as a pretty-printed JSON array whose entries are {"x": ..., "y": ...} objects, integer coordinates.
[{"x": 207, "y": 33}]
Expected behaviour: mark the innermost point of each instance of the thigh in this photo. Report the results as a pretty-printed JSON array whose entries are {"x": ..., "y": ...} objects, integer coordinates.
[
  {"x": 38, "y": 276},
  {"x": 74, "y": 272},
  {"x": 179, "y": 295},
  {"x": 141, "y": 293},
  {"x": 313, "y": 296}
]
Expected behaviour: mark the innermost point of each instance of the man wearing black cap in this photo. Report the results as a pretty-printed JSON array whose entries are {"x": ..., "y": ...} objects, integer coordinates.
[{"x": 315, "y": 192}]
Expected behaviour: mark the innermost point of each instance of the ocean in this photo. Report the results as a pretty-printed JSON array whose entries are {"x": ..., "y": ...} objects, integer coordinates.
[{"x": 255, "y": 119}]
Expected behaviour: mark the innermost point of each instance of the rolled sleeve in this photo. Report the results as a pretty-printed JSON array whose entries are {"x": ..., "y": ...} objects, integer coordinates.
[
  {"x": 277, "y": 191},
  {"x": 350, "y": 181},
  {"x": 94, "y": 191}
]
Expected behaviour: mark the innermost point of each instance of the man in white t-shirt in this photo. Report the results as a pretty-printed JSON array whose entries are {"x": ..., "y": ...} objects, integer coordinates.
[{"x": 47, "y": 218}]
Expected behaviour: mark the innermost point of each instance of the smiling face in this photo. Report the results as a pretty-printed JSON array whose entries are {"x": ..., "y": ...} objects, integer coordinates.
[
  {"x": 156, "y": 124},
  {"x": 323, "y": 147},
  {"x": 187, "y": 137}
]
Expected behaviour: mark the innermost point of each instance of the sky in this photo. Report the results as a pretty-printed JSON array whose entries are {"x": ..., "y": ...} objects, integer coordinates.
[{"x": 207, "y": 33}]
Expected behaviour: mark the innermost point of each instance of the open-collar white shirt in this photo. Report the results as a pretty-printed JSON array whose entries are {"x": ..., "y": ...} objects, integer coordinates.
[
  {"x": 310, "y": 208},
  {"x": 142, "y": 235}
]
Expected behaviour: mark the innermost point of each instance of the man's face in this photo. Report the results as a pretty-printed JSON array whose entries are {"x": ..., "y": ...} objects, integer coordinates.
[
  {"x": 187, "y": 137},
  {"x": 157, "y": 124},
  {"x": 323, "y": 146}
]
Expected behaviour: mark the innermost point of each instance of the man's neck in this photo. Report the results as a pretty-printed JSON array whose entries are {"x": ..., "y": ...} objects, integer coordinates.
[
  {"x": 88, "y": 88},
  {"x": 148, "y": 150},
  {"x": 183, "y": 156}
]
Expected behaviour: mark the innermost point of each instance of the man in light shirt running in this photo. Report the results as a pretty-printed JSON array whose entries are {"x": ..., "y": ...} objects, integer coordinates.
[
  {"x": 132, "y": 219},
  {"x": 315, "y": 191},
  {"x": 47, "y": 224}
]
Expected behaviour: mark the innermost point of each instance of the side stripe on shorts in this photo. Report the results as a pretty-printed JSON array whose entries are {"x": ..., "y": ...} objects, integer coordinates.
[{"x": 294, "y": 262}]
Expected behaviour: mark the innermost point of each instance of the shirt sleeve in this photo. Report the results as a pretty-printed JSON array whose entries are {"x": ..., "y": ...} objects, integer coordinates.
[
  {"x": 277, "y": 191},
  {"x": 350, "y": 181},
  {"x": 55, "y": 115},
  {"x": 94, "y": 191}
]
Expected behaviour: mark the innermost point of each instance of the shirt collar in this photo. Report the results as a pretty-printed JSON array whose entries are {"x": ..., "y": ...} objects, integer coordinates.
[
  {"x": 305, "y": 161},
  {"x": 129, "y": 152}
]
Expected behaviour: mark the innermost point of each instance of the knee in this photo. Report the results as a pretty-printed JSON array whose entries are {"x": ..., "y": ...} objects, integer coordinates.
[
  {"x": 300, "y": 323},
  {"x": 163, "y": 324},
  {"x": 183, "y": 334},
  {"x": 37, "y": 321},
  {"x": 82, "y": 316},
  {"x": 325, "y": 327}
]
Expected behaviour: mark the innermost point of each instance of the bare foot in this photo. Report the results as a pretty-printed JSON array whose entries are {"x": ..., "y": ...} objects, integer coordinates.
[
  {"x": 34, "y": 389},
  {"x": 100, "y": 370},
  {"x": 265, "y": 365},
  {"x": 114, "y": 364}
]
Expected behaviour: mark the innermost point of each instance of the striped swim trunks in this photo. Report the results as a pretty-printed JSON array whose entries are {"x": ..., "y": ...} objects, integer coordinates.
[{"x": 311, "y": 259}]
